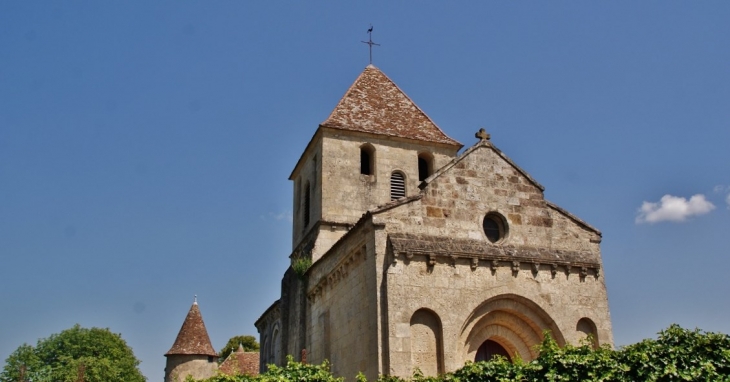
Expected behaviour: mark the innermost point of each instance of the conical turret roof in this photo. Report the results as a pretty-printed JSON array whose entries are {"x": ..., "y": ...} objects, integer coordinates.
[
  {"x": 374, "y": 104},
  {"x": 193, "y": 336}
]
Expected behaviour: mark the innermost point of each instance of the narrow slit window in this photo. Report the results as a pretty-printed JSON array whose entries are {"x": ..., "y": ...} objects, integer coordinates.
[
  {"x": 367, "y": 159},
  {"x": 306, "y": 205},
  {"x": 397, "y": 186},
  {"x": 425, "y": 166}
]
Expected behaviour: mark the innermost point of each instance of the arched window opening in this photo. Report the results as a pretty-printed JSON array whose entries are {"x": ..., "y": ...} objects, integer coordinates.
[
  {"x": 274, "y": 357},
  {"x": 489, "y": 349},
  {"x": 306, "y": 205},
  {"x": 425, "y": 166},
  {"x": 397, "y": 186},
  {"x": 367, "y": 159}
]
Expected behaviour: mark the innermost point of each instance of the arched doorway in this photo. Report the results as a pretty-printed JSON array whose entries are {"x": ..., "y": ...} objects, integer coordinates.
[
  {"x": 513, "y": 322},
  {"x": 489, "y": 349}
]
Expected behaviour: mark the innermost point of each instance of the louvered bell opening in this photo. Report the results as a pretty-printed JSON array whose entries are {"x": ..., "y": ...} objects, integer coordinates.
[{"x": 397, "y": 186}]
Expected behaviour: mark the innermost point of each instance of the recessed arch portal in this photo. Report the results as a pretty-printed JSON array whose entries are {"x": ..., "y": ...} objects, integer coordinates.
[
  {"x": 490, "y": 349},
  {"x": 513, "y": 322}
]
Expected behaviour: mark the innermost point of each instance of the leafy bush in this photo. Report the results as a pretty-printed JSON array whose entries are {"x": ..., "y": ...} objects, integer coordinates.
[
  {"x": 676, "y": 355},
  {"x": 300, "y": 265},
  {"x": 293, "y": 371}
]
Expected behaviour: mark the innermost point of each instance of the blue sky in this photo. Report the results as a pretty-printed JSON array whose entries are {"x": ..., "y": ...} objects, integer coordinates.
[{"x": 145, "y": 147}]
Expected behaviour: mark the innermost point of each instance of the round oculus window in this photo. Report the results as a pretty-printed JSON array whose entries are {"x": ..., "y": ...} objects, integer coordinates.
[{"x": 494, "y": 227}]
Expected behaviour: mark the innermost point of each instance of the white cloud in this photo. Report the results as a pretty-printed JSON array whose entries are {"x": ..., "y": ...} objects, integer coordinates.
[
  {"x": 674, "y": 208},
  {"x": 721, "y": 189},
  {"x": 286, "y": 215}
]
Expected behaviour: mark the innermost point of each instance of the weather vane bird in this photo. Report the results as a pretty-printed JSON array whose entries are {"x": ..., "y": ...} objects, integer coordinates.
[{"x": 370, "y": 42}]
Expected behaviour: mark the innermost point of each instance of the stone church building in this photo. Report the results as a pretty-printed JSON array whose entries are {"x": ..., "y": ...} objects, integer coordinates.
[{"x": 421, "y": 256}]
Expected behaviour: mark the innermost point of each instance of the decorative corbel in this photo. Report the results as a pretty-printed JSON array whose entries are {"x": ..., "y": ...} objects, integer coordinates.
[
  {"x": 431, "y": 260},
  {"x": 515, "y": 268},
  {"x": 583, "y": 272},
  {"x": 474, "y": 263},
  {"x": 535, "y": 268},
  {"x": 553, "y": 269},
  {"x": 598, "y": 271},
  {"x": 493, "y": 265},
  {"x": 567, "y": 269}
]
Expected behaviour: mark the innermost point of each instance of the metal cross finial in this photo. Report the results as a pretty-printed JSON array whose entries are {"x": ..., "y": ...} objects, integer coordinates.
[
  {"x": 195, "y": 299},
  {"x": 482, "y": 135},
  {"x": 370, "y": 42}
]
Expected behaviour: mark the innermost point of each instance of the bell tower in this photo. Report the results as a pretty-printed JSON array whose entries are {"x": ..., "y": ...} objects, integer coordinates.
[{"x": 375, "y": 148}]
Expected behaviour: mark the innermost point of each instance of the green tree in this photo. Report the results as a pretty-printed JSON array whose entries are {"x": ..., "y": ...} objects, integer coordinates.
[
  {"x": 104, "y": 357},
  {"x": 248, "y": 342}
]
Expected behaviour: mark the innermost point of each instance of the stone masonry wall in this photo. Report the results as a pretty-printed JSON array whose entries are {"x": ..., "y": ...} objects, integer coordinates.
[
  {"x": 454, "y": 292},
  {"x": 455, "y": 203},
  {"x": 342, "y": 303},
  {"x": 178, "y": 367},
  {"x": 348, "y": 194},
  {"x": 308, "y": 172},
  {"x": 476, "y": 299}
]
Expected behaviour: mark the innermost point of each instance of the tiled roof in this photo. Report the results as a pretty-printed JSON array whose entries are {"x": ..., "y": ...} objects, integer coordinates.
[
  {"x": 241, "y": 362},
  {"x": 374, "y": 104},
  {"x": 193, "y": 337}
]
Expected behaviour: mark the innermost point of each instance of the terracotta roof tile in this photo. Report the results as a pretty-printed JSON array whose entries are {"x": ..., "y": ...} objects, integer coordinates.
[
  {"x": 241, "y": 362},
  {"x": 374, "y": 104},
  {"x": 193, "y": 337}
]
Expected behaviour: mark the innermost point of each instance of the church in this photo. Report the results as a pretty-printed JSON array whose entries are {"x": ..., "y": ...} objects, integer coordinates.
[{"x": 409, "y": 254}]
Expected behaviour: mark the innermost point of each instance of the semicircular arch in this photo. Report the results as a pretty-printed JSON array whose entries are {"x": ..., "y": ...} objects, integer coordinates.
[{"x": 516, "y": 322}]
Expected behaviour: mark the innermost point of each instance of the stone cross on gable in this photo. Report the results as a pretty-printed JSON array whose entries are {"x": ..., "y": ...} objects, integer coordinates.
[{"x": 482, "y": 135}]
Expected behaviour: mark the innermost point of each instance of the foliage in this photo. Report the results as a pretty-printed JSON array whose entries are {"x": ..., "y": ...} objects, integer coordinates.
[
  {"x": 677, "y": 355},
  {"x": 104, "y": 355},
  {"x": 292, "y": 372},
  {"x": 300, "y": 265},
  {"x": 249, "y": 343}
]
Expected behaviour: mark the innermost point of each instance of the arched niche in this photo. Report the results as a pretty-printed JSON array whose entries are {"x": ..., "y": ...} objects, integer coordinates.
[
  {"x": 587, "y": 328},
  {"x": 426, "y": 339}
]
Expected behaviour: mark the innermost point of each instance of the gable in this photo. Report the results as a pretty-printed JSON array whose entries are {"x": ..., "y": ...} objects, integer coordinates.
[{"x": 456, "y": 199}]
